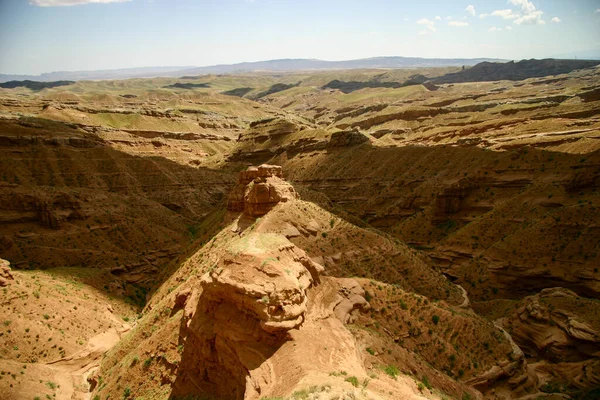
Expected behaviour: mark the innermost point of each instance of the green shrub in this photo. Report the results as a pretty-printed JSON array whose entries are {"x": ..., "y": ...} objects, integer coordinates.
[
  {"x": 392, "y": 371},
  {"x": 353, "y": 380},
  {"x": 425, "y": 382}
]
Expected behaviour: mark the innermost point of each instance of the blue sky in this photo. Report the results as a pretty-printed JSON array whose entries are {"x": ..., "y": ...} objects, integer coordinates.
[{"x": 54, "y": 35}]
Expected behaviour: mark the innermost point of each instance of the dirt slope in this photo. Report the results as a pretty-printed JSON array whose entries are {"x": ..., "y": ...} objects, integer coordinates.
[{"x": 55, "y": 330}]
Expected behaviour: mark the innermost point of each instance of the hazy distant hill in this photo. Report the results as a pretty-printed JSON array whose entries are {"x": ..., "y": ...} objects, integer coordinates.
[
  {"x": 34, "y": 85},
  {"x": 147, "y": 72},
  {"x": 306, "y": 64},
  {"x": 271, "y": 65}
]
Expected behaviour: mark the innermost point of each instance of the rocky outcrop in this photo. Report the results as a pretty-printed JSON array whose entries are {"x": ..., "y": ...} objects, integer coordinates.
[
  {"x": 253, "y": 296},
  {"x": 347, "y": 138},
  {"x": 6, "y": 277},
  {"x": 260, "y": 189},
  {"x": 558, "y": 325},
  {"x": 561, "y": 331},
  {"x": 352, "y": 301}
]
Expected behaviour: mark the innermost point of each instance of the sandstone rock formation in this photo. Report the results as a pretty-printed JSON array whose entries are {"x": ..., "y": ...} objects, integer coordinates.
[
  {"x": 259, "y": 189},
  {"x": 562, "y": 330},
  {"x": 547, "y": 325},
  {"x": 253, "y": 296},
  {"x": 5, "y": 275}
]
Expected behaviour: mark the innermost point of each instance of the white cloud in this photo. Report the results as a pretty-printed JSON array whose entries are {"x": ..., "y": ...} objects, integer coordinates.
[
  {"x": 555, "y": 20},
  {"x": 458, "y": 23},
  {"x": 424, "y": 33},
  {"x": 438, "y": 18},
  {"x": 597, "y": 10},
  {"x": 526, "y": 6},
  {"x": 530, "y": 16},
  {"x": 448, "y": 18},
  {"x": 506, "y": 14},
  {"x": 494, "y": 29},
  {"x": 483, "y": 15},
  {"x": 508, "y": 28},
  {"x": 471, "y": 10},
  {"x": 427, "y": 23},
  {"x": 56, "y": 3},
  {"x": 533, "y": 18}
]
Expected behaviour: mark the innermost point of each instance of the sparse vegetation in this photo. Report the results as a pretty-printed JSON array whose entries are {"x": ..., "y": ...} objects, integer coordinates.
[{"x": 353, "y": 380}]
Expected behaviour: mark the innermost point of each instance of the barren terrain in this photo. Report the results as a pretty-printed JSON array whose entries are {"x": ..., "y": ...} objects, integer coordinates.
[{"x": 427, "y": 233}]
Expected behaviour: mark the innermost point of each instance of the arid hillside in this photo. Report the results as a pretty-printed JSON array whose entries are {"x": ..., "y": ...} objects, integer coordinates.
[{"x": 367, "y": 234}]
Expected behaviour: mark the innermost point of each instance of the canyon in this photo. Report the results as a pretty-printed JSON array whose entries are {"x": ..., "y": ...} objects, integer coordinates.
[{"x": 355, "y": 234}]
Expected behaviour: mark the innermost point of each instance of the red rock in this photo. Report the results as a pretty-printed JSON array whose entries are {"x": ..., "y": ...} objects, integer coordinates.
[{"x": 259, "y": 190}]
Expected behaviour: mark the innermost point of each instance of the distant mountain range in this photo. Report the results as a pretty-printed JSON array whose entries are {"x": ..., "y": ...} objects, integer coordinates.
[
  {"x": 125, "y": 73},
  {"x": 271, "y": 65}
]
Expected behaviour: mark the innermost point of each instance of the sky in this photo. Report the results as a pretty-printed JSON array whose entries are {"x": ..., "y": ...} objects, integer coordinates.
[{"x": 39, "y": 36}]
